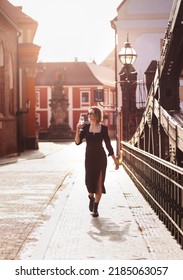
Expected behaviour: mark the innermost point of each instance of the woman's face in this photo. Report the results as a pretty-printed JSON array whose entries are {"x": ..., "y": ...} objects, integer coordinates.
[{"x": 91, "y": 115}]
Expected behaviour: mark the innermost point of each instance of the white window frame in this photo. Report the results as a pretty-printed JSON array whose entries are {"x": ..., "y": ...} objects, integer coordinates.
[{"x": 84, "y": 104}]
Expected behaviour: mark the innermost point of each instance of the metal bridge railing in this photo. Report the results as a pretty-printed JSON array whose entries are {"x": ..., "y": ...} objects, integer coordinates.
[{"x": 161, "y": 183}]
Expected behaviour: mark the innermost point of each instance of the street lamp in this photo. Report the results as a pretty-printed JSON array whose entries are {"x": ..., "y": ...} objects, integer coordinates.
[
  {"x": 127, "y": 54},
  {"x": 128, "y": 78}
]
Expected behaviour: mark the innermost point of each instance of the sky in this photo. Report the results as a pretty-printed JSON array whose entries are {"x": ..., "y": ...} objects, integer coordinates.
[{"x": 69, "y": 29}]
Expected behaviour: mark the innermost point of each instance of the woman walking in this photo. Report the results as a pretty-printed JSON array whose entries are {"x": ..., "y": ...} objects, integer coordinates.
[{"x": 95, "y": 159}]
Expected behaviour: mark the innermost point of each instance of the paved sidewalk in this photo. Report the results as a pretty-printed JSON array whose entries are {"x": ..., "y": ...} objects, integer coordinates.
[
  {"x": 29, "y": 187},
  {"x": 127, "y": 227},
  {"x": 45, "y": 149},
  {"x": 44, "y": 212}
]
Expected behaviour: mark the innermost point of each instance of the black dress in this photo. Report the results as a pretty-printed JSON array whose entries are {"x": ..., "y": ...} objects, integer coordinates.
[{"x": 95, "y": 157}]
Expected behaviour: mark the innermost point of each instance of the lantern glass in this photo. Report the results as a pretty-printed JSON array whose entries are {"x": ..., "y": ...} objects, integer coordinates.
[{"x": 127, "y": 55}]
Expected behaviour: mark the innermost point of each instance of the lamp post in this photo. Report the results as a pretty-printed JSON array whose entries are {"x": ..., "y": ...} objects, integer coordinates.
[{"x": 128, "y": 78}]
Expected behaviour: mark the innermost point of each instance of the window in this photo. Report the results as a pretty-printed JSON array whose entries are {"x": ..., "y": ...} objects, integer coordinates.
[
  {"x": 11, "y": 93},
  {"x": 106, "y": 97},
  {"x": 84, "y": 98}
]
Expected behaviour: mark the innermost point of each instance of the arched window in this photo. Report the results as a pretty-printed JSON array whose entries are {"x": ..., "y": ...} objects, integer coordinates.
[
  {"x": 11, "y": 92},
  {"x": 2, "y": 80}
]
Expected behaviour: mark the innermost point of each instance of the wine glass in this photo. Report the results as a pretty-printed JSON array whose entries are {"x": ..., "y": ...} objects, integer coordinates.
[{"x": 81, "y": 121}]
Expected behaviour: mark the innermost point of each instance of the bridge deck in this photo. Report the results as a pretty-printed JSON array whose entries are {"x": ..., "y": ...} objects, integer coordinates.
[{"x": 127, "y": 227}]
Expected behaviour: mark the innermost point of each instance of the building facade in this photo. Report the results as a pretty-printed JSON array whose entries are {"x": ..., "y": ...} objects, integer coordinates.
[
  {"x": 81, "y": 82},
  {"x": 8, "y": 85},
  {"x": 18, "y": 58}
]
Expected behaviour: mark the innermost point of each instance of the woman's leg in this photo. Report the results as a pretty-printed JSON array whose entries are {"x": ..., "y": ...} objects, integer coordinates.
[
  {"x": 99, "y": 189},
  {"x": 92, "y": 200},
  {"x": 98, "y": 196},
  {"x": 90, "y": 194}
]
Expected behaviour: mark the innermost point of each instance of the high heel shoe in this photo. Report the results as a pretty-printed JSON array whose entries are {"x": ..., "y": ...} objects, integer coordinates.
[
  {"x": 95, "y": 210},
  {"x": 91, "y": 203}
]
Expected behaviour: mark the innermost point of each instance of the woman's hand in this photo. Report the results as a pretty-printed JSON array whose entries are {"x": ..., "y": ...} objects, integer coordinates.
[
  {"x": 79, "y": 126},
  {"x": 116, "y": 162}
]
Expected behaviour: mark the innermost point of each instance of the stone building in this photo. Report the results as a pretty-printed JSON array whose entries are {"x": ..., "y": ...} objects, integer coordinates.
[{"x": 18, "y": 58}]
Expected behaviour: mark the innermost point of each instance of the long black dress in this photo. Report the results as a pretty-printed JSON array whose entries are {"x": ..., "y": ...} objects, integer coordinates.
[{"x": 95, "y": 157}]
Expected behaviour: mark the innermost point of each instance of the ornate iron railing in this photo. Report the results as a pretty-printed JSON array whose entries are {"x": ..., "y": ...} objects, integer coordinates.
[{"x": 160, "y": 182}]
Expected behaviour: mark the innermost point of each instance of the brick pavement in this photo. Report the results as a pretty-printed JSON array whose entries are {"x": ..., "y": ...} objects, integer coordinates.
[{"x": 127, "y": 227}]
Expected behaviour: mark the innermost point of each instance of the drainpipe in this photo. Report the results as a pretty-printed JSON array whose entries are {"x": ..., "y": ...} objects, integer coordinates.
[{"x": 113, "y": 25}]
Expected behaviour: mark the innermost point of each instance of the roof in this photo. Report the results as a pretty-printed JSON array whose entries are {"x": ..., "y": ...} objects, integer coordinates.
[
  {"x": 74, "y": 73},
  {"x": 122, "y": 3},
  {"x": 152, "y": 67},
  {"x": 104, "y": 74},
  {"x": 109, "y": 61},
  {"x": 15, "y": 13}
]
